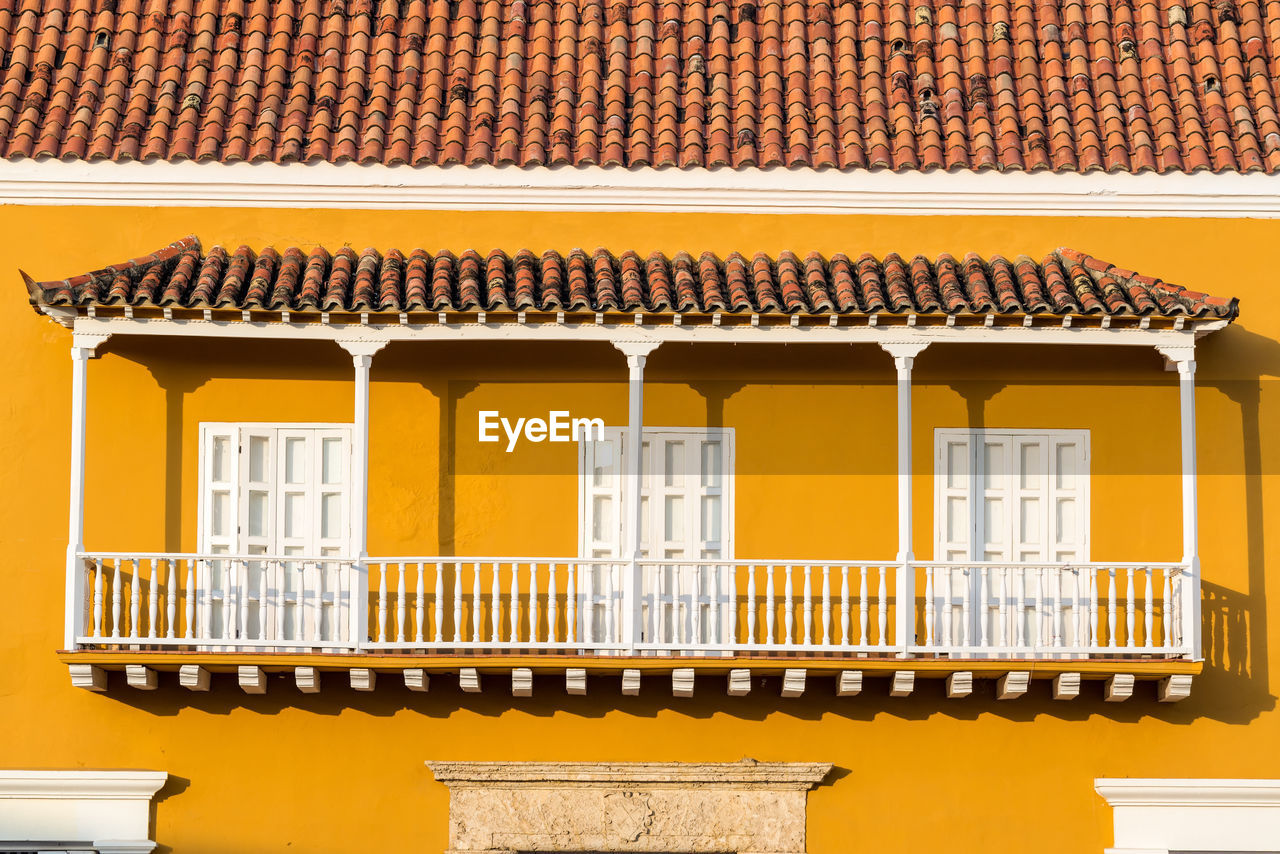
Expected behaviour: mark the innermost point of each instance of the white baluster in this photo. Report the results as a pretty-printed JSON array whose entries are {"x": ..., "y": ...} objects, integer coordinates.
[
  {"x": 535, "y": 607},
  {"x": 1128, "y": 610},
  {"x": 514, "y": 610},
  {"x": 714, "y": 595},
  {"x": 731, "y": 594},
  {"x": 965, "y": 613},
  {"x": 402, "y": 596},
  {"x": 206, "y": 601},
  {"x": 1166, "y": 612},
  {"x": 495, "y": 607},
  {"x": 1059, "y": 604},
  {"x": 475, "y": 604},
  {"x": 1079, "y": 612},
  {"x": 1092, "y": 640},
  {"x": 115, "y": 601},
  {"x": 570, "y": 602},
  {"x": 98, "y": 572},
  {"x": 381, "y": 636},
  {"x": 808, "y": 605},
  {"x": 588, "y": 582},
  {"x": 882, "y": 606},
  {"x": 980, "y": 606},
  {"x": 610, "y": 611},
  {"x": 1177, "y": 608},
  {"x": 1112, "y": 607},
  {"x": 1148, "y": 607},
  {"x": 437, "y": 606},
  {"x": 864, "y": 606},
  {"x": 770, "y": 602},
  {"x": 751, "y": 604},
  {"x": 948, "y": 615},
  {"x": 551, "y": 603},
  {"x": 788, "y": 616},
  {"x": 170, "y": 600},
  {"x": 826, "y": 605},
  {"x": 844, "y": 606},
  {"x": 695, "y": 599},
  {"x": 230, "y": 599},
  {"x": 312, "y": 572},
  {"x": 135, "y": 600},
  {"x": 929, "y": 607},
  {"x": 457, "y": 602},
  {"x": 153, "y": 598},
  {"x": 1045, "y": 634},
  {"x": 1002, "y": 608},
  {"x": 419, "y": 605},
  {"x": 189, "y": 602}
]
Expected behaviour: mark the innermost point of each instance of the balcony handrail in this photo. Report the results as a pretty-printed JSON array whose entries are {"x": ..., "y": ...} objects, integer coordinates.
[
  {"x": 1061, "y": 564},
  {"x": 91, "y": 555}
]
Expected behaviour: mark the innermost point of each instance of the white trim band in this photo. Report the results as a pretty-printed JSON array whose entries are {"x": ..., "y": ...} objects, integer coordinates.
[
  {"x": 760, "y": 191},
  {"x": 1156, "y": 816},
  {"x": 109, "y": 810}
]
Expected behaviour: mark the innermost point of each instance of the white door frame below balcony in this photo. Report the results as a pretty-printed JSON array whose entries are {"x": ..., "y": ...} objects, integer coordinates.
[{"x": 1159, "y": 816}]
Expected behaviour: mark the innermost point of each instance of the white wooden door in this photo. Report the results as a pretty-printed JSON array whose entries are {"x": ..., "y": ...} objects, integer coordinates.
[
  {"x": 686, "y": 501},
  {"x": 276, "y": 491},
  {"x": 1007, "y": 496}
]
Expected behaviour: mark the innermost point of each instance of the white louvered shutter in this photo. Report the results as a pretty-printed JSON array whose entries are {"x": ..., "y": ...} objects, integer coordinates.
[
  {"x": 1007, "y": 496},
  {"x": 685, "y": 511},
  {"x": 275, "y": 491}
]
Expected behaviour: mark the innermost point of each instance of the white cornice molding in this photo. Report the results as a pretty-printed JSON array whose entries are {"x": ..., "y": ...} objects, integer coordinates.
[
  {"x": 1124, "y": 792},
  {"x": 77, "y": 785},
  {"x": 758, "y": 191}
]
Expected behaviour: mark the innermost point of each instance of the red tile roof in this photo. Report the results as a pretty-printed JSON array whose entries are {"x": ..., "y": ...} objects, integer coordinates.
[
  {"x": 183, "y": 276},
  {"x": 1005, "y": 84}
]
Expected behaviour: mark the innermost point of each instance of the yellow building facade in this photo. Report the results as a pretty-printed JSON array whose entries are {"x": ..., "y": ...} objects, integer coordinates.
[
  {"x": 721, "y": 427},
  {"x": 814, "y": 427}
]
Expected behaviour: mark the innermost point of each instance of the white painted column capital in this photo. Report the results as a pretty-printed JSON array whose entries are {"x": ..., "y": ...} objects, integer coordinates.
[
  {"x": 362, "y": 350},
  {"x": 903, "y": 353},
  {"x": 637, "y": 351},
  {"x": 85, "y": 344}
]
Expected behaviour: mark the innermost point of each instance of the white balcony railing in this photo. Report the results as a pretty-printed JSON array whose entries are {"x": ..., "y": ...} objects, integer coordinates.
[{"x": 612, "y": 607}]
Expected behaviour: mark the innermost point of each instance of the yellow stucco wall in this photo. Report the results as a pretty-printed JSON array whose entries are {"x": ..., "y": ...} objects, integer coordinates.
[{"x": 342, "y": 771}]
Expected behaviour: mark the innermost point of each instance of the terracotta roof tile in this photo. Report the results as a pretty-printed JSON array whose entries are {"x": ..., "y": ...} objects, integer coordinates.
[
  {"x": 183, "y": 276},
  {"x": 1003, "y": 84}
]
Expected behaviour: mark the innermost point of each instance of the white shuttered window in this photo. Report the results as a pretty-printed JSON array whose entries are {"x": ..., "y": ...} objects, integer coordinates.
[
  {"x": 686, "y": 499},
  {"x": 1007, "y": 496},
  {"x": 1012, "y": 495},
  {"x": 277, "y": 490}
]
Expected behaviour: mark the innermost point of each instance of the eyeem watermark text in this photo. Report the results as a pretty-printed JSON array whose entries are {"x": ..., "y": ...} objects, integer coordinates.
[{"x": 557, "y": 427}]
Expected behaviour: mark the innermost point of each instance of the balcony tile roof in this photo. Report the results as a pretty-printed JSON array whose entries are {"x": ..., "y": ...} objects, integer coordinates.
[
  {"x": 976, "y": 84},
  {"x": 1064, "y": 283}
]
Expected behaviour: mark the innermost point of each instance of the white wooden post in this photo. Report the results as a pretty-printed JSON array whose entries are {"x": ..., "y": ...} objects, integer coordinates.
[
  {"x": 1183, "y": 358},
  {"x": 82, "y": 349},
  {"x": 362, "y": 353},
  {"x": 637, "y": 353},
  {"x": 904, "y": 354}
]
